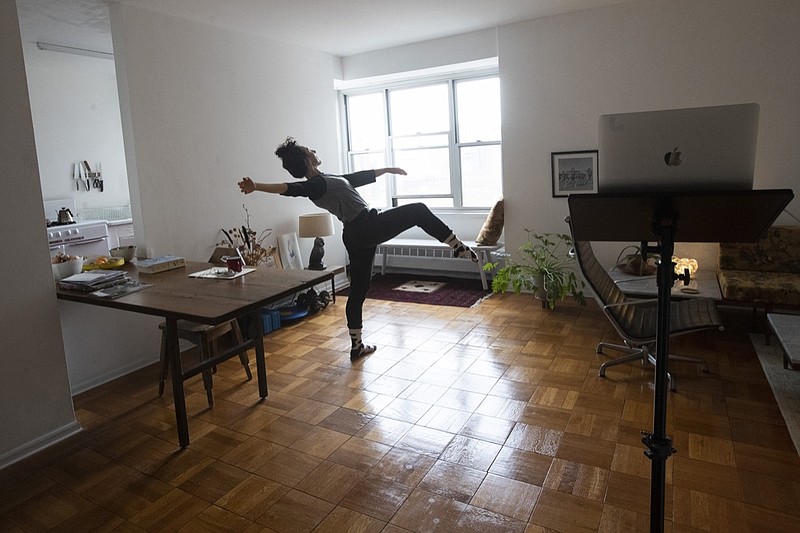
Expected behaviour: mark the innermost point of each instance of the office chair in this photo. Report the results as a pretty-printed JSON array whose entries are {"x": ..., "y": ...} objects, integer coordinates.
[{"x": 636, "y": 320}]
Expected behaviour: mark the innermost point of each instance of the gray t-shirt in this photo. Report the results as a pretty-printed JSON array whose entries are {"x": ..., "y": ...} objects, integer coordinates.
[{"x": 335, "y": 194}]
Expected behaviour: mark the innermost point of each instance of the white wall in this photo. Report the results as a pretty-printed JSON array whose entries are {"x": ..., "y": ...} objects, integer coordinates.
[
  {"x": 76, "y": 117},
  {"x": 202, "y": 107},
  {"x": 560, "y": 74},
  {"x": 418, "y": 56},
  {"x": 35, "y": 403}
]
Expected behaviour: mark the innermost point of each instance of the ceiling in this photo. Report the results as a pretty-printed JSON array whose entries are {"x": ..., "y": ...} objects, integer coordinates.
[{"x": 342, "y": 28}]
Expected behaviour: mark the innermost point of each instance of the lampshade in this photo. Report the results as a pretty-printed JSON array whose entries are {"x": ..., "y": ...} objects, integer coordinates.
[
  {"x": 316, "y": 225},
  {"x": 682, "y": 263}
]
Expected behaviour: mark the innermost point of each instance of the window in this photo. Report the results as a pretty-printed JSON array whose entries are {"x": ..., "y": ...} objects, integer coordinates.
[{"x": 445, "y": 133}]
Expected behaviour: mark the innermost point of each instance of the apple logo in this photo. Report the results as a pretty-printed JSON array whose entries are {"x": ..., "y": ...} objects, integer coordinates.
[{"x": 673, "y": 158}]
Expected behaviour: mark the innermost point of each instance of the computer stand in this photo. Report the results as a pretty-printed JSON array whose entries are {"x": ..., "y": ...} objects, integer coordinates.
[
  {"x": 724, "y": 216},
  {"x": 659, "y": 445}
]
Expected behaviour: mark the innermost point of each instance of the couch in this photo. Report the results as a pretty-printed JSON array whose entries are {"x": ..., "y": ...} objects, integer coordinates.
[{"x": 764, "y": 274}]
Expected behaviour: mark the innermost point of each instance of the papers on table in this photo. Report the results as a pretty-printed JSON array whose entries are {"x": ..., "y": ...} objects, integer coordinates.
[
  {"x": 93, "y": 280},
  {"x": 220, "y": 273},
  {"x": 129, "y": 286}
]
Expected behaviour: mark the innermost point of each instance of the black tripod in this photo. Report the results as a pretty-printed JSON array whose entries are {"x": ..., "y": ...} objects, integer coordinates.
[
  {"x": 659, "y": 445},
  {"x": 736, "y": 216}
]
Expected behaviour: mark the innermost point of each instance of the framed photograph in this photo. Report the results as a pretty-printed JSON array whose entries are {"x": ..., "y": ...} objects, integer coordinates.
[
  {"x": 574, "y": 172},
  {"x": 272, "y": 261},
  {"x": 290, "y": 251}
]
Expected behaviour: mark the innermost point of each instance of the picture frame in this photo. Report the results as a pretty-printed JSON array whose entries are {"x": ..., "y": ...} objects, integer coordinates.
[
  {"x": 290, "y": 251},
  {"x": 272, "y": 261},
  {"x": 574, "y": 172}
]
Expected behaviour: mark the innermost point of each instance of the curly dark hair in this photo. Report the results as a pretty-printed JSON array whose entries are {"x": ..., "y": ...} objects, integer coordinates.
[{"x": 293, "y": 156}]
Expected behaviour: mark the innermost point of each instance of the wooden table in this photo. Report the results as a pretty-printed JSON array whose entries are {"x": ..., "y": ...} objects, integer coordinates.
[{"x": 175, "y": 296}]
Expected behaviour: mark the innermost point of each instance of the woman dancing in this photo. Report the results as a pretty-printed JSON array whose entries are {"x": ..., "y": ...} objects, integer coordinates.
[{"x": 364, "y": 228}]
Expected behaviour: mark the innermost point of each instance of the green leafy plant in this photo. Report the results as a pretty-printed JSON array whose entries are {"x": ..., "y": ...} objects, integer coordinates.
[{"x": 544, "y": 268}]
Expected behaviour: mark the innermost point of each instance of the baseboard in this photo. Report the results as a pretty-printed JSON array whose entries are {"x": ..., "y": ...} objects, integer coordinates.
[
  {"x": 96, "y": 381},
  {"x": 40, "y": 443}
]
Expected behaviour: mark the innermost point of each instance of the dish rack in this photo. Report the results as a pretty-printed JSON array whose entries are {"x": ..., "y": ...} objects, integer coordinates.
[{"x": 121, "y": 212}]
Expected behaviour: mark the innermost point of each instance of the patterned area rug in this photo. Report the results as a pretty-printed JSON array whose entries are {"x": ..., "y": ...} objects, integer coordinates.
[
  {"x": 425, "y": 290},
  {"x": 784, "y": 383}
]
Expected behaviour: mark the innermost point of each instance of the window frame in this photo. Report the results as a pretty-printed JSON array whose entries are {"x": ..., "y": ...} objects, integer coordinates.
[{"x": 454, "y": 144}]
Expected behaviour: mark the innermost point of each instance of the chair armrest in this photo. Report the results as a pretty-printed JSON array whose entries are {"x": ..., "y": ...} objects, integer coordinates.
[
  {"x": 637, "y": 278},
  {"x": 631, "y": 302}
]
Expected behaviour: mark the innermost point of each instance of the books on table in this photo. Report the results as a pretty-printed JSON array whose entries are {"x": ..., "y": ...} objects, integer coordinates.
[
  {"x": 93, "y": 280},
  {"x": 163, "y": 263}
]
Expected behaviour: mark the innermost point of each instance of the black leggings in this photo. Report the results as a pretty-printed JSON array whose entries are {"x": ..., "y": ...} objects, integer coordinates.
[{"x": 362, "y": 236}]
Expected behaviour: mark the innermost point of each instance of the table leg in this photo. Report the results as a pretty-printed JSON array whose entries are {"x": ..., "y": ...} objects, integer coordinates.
[
  {"x": 178, "y": 395},
  {"x": 261, "y": 364},
  {"x": 482, "y": 261},
  {"x": 333, "y": 290}
]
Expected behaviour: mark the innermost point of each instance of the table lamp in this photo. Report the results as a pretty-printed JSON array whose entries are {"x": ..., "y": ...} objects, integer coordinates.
[
  {"x": 316, "y": 225},
  {"x": 682, "y": 263}
]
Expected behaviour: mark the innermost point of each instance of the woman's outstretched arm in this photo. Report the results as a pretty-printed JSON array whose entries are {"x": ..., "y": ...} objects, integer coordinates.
[
  {"x": 247, "y": 186},
  {"x": 391, "y": 170}
]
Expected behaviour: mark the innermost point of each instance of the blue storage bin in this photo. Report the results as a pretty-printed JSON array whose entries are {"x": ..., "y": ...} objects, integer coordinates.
[{"x": 271, "y": 319}]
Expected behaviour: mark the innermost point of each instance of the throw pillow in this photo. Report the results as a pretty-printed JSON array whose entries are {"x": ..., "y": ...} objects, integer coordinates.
[{"x": 493, "y": 227}]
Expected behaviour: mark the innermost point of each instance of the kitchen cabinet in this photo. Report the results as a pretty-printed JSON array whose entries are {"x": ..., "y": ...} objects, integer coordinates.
[{"x": 120, "y": 233}]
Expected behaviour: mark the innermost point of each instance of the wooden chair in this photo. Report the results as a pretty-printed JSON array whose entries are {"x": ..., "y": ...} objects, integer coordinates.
[{"x": 205, "y": 338}]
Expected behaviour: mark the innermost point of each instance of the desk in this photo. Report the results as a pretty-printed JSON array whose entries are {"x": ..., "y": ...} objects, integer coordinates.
[
  {"x": 704, "y": 283},
  {"x": 175, "y": 296}
]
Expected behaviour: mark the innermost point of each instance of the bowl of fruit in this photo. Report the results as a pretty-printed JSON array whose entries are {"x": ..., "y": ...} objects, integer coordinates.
[
  {"x": 65, "y": 265},
  {"x": 103, "y": 261}
]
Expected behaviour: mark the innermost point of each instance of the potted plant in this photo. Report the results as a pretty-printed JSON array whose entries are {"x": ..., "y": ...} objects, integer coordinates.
[{"x": 544, "y": 269}]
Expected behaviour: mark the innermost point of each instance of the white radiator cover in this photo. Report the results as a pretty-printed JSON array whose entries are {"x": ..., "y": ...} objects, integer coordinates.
[{"x": 428, "y": 262}]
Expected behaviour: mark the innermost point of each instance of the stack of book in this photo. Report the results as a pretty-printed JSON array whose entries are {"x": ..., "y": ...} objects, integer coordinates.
[
  {"x": 93, "y": 280},
  {"x": 155, "y": 265}
]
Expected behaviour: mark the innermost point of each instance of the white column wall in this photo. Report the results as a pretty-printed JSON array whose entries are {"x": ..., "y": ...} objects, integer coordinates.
[{"x": 35, "y": 402}]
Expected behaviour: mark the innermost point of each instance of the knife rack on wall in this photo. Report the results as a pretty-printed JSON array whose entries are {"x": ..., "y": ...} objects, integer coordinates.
[{"x": 87, "y": 179}]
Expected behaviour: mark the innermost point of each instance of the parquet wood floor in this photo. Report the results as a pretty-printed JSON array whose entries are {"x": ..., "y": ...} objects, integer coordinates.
[{"x": 485, "y": 419}]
